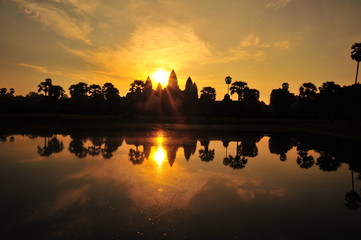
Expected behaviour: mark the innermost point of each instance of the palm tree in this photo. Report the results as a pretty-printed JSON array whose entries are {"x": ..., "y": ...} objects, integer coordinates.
[
  {"x": 353, "y": 199},
  {"x": 228, "y": 81},
  {"x": 45, "y": 86},
  {"x": 238, "y": 87},
  {"x": 356, "y": 55},
  {"x": 206, "y": 154},
  {"x": 50, "y": 147}
]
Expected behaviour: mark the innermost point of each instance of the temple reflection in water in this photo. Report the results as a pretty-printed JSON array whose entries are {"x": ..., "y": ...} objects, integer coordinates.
[{"x": 185, "y": 184}]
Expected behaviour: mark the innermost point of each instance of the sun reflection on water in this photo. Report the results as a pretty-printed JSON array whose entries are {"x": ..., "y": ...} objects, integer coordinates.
[{"x": 159, "y": 156}]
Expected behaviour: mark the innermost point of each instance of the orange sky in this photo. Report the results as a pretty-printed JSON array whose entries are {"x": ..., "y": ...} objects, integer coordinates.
[{"x": 264, "y": 43}]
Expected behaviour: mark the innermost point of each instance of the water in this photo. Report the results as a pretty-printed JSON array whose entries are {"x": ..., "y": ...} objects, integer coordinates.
[{"x": 178, "y": 185}]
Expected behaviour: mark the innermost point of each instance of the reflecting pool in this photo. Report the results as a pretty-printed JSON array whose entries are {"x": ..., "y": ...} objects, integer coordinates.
[{"x": 160, "y": 184}]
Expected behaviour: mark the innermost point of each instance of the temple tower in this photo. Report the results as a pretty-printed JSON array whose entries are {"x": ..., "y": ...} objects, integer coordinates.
[{"x": 173, "y": 81}]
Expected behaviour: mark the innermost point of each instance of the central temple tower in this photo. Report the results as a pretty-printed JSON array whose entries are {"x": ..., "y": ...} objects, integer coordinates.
[{"x": 173, "y": 81}]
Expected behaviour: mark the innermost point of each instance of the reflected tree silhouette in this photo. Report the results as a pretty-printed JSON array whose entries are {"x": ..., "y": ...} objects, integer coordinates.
[
  {"x": 205, "y": 154},
  {"x": 280, "y": 145},
  {"x": 50, "y": 146},
  {"x": 96, "y": 148},
  {"x": 135, "y": 156},
  {"x": 303, "y": 159},
  {"x": 327, "y": 162},
  {"x": 110, "y": 146},
  {"x": 76, "y": 146},
  {"x": 352, "y": 198},
  {"x": 248, "y": 147},
  {"x": 238, "y": 161},
  {"x": 3, "y": 138}
]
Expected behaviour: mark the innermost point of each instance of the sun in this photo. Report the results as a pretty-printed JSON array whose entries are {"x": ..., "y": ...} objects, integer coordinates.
[{"x": 161, "y": 77}]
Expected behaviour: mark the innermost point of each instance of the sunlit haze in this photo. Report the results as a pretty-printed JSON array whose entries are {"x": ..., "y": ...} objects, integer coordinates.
[
  {"x": 263, "y": 43},
  {"x": 161, "y": 77}
]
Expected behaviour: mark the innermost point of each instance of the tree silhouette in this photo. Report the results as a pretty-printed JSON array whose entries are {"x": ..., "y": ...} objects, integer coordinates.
[
  {"x": 3, "y": 91},
  {"x": 356, "y": 55},
  {"x": 208, "y": 94},
  {"x": 11, "y": 92},
  {"x": 329, "y": 88},
  {"x": 110, "y": 92},
  {"x": 251, "y": 94},
  {"x": 228, "y": 81},
  {"x": 281, "y": 99},
  {"x": 56, "y": 91},
  {"x": 307, "y": 90},
  {"x": 95, "y": 91},
  {"x": 32, "y": 94},
  {"x": 137, "y": 86},
  {"x": 238, "y": 87},
  {"x": 45, "y": 86},
  {"x": 78, "y": 90}
]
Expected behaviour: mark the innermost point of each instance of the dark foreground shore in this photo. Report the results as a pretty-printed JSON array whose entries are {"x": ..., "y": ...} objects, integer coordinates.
[{"x": 54, "y": 122}]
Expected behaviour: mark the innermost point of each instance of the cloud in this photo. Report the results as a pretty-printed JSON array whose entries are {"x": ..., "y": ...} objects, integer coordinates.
[
  {"x": 80, "y": 6},
  {"x": 149, "y": 47},
  {"x": 285, "y": 44},
  {"x": 35, "y": 67},
  {"x": 57, "y": 19},
  {"x": 250, "y": 48},
  {"x": 278, "y": 4},
  {"x": 250, "y": 40}
]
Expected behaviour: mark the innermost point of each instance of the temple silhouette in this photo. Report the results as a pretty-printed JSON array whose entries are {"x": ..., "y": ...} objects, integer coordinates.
[
  {"x": 170, "y": 100},
  {"x": 173, "y": 103}
]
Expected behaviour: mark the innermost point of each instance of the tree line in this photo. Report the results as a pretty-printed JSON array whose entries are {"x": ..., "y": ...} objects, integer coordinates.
[{"x": 330, "y": 100}]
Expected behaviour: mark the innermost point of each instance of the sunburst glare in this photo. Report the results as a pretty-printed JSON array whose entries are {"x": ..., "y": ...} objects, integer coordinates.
[{"x": 160, "y": 76}]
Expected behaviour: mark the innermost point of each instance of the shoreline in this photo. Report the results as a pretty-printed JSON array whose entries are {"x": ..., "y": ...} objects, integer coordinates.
[{"x": 62, "y": 122}]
